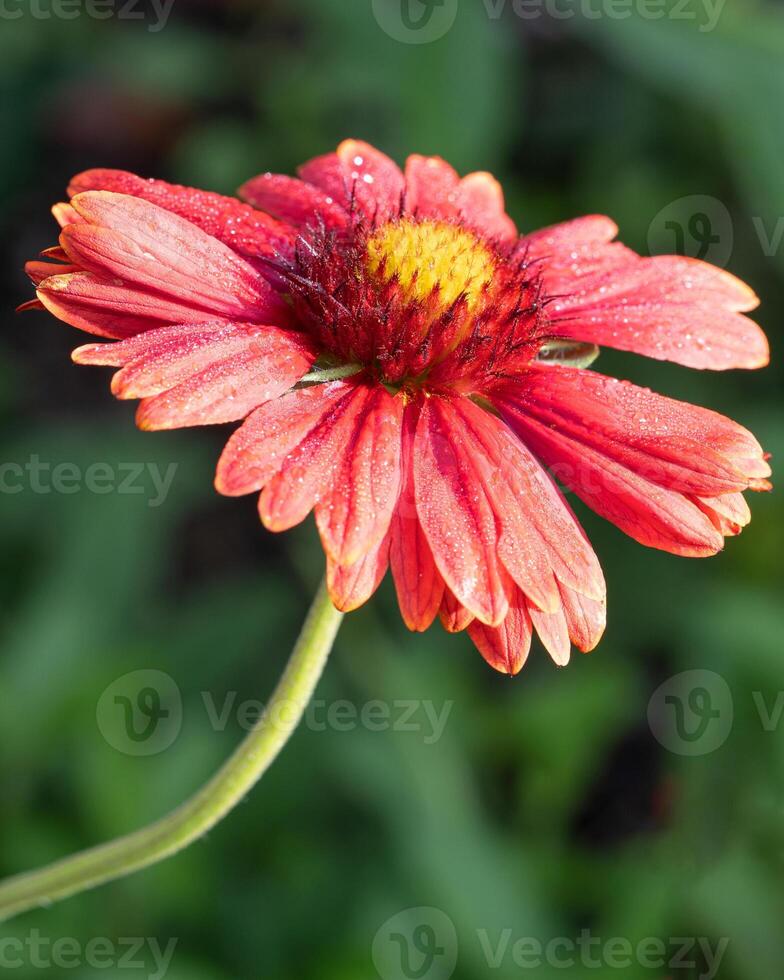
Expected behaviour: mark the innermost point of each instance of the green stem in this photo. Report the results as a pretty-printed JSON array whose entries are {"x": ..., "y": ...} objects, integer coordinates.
[{"x": 221, "y": 794}]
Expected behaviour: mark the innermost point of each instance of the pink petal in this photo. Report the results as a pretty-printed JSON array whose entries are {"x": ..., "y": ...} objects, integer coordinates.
[
  {"x": 64, "y": 214},
  {"x": 586, "y": 618},
  {"x": 376, "y": 181},
  {"x": 39, "y": 271},
  {"x": 698, "y": 336}
]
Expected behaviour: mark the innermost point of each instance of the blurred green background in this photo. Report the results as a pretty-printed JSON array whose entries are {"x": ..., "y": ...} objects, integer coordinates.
[{"x": 548, "y": 805}]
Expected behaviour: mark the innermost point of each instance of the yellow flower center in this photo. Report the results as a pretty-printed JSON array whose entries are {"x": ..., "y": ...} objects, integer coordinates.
[{"x": 431, "y": 257}]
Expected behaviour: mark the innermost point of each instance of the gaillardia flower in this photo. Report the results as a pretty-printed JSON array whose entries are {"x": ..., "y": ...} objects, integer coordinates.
[{"x": 407, "y": 365}]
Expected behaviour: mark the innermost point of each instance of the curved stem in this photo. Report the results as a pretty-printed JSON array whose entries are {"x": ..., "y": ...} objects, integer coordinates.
[{"x": 221, "y": 794}]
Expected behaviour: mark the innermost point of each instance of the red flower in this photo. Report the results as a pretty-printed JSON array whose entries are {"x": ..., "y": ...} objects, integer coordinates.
[{"x": 392, "y": 345}]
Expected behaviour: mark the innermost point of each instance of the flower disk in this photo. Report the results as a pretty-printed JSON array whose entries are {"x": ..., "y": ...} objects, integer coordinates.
[
  {"x": 418, "y": 303},
  {"x": 432, "y": 260}
]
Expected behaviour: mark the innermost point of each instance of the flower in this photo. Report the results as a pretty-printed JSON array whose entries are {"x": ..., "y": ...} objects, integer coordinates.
[{"x": 411, "y": 368}]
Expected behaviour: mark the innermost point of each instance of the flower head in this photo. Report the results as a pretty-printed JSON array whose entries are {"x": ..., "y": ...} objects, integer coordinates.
[{"x": 408, "y": 366}]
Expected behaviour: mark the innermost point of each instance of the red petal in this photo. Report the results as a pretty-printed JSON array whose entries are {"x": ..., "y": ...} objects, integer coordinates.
[
  {"x": 350, "y": 586},
  {"x": 212, "y": 378},
  {"x": 293, "y": 201},
  {"x": 64, "y": 214},
  {"x": 456, "y": 512},
  {"x": 553, "y": 631},
  {"x": 698, "y": 336},
  {"x": 480, "y": 201},
  {"x": 579, "y": 619},
  {"x": 418, "y": 584},
  {"x": 104, "y": 308},
  {"x": 376, "y": 181},
  {"x": 730, "y": 513},
  {"x": 263, "y": 443},
  {"x": 540, "y": 540},
  {"x": 506, "y": 647},
  {"x": 358, "y": 176},
  {"x": 586, "y": 618},
  {"x": 242, "y": 228},
  {"x": 40, "y": 271},
  {"x": 649, "y": 513},
  {"x": 159, "y": 359},
  {"x": 454, "y": 616},
  {"x": 666, "y": 307},
  {"x": 677, "y": 445},
  {"x": 356, "y": 514},
  {"x": 141, "y": 243},
  {"x": 56, "y": 253},
  {"x": 328, "y": 175},
  {"x": 431, "y": 187},
  {"x": 308, "y": 471}
]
